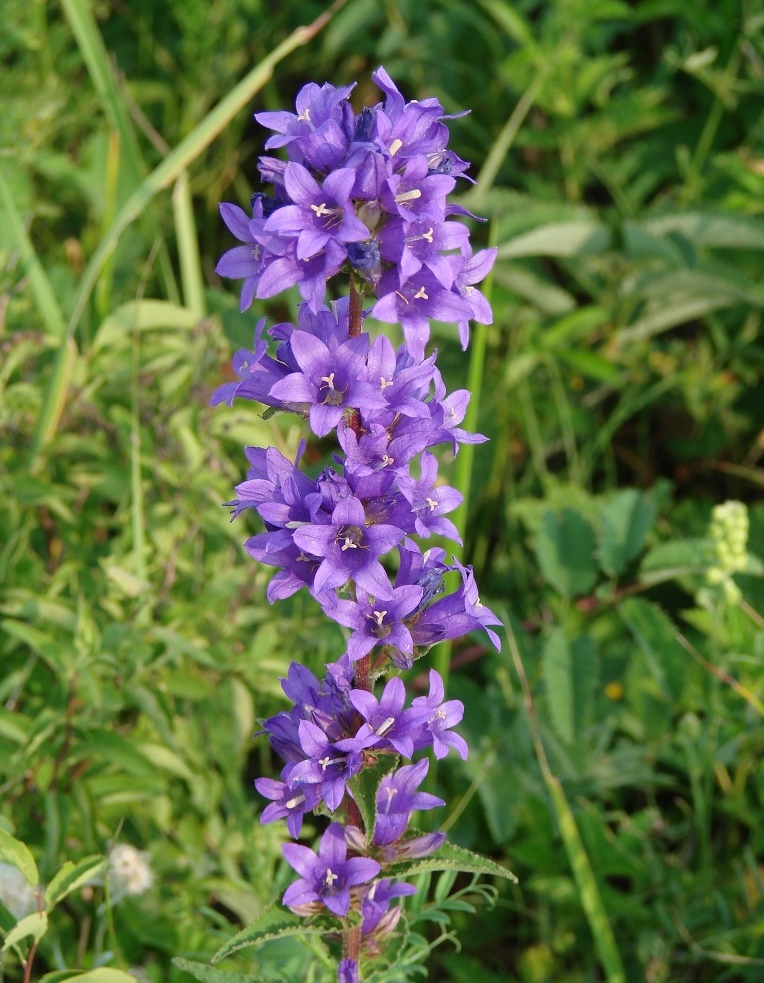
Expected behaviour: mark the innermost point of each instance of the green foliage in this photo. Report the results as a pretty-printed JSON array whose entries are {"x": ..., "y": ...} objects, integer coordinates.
[{"x": 618, "y": 149}]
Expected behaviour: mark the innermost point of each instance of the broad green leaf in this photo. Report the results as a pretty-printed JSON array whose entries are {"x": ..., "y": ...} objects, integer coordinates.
[
  {"x": 570, "y": 675},
  {"x": 210, "y": 974},
  {"x": 144, "y": 315},
  {"x": 564, "y": 239},
  {"x": 275, "y": 923},
  {"x": 708, "y": 229},
  {"x": 565, "y": 550},
  {"x": 34, "y": 926},
  {"x": 676, "y": 558},
  {"x": 18, "y": 854},
  {"x": 72, "y": 876},
  {"x": 656, "y": 636},
  {"x": 365, "y": 786},
  {"x": 451, "y": 857},
  {"x": 626, "y": 520}
]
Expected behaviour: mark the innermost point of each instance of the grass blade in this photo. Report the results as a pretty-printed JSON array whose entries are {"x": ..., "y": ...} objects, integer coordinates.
[{"x": 586, "y": 882}]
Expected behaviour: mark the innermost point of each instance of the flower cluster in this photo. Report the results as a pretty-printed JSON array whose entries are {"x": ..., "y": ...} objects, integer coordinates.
[{"x": 365, "y": 193}]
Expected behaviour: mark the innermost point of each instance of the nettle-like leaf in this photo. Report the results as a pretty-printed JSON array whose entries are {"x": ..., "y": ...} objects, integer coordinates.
[
  {"x": 626, "y": 520},
  {"x": 18, "y": 854},
  {"x": 72, "y": 876},
  {"x": 210, "y": 974},
  {"x": 365, "y": 785},
  {"x": 275, "y": 923},
  {"x": 655, "y": 634},
  {"x": 565, "y": 550},
  {"x": 570, "y": 676},
  {"x": 450, "y": 857}
]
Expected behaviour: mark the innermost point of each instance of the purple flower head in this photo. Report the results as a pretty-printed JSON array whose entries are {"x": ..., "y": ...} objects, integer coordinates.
[
  {"x": 397, "y": 798},
  {"x": 467, "y": 273},
  {"x": 326, "y": 877}
]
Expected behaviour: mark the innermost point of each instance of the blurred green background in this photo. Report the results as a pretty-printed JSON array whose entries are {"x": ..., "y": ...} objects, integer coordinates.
[{"x": 616, "y": 739}]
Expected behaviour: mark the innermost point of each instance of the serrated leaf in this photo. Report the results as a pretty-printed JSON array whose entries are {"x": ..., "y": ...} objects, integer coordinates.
[
  {"x": 34, "y": 925},
  {"x": 18, "y": 854},
  {"x": 676, "y": 558},
  {"x": 451, "y": 857},
  {"x": 565, "y": 551},
  {"x": 570, "y": 675},
  {"x": 274, "y": 923},
  {"x": 365, "y": 785},
  {"x": 72, "y": 876},
  {"x": 653, "y": 631},
  {"x": 210, "y": 974},
  {"x": 627, "y": 518}
]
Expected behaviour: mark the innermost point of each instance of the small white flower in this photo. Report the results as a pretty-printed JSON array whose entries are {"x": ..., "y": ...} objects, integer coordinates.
[
  {"x": 130, "y": 871},
  {"x": 17, "y": 896}
]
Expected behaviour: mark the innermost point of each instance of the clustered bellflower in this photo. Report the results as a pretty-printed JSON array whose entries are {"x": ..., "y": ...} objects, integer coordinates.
[{"x": 361, "y": 196}]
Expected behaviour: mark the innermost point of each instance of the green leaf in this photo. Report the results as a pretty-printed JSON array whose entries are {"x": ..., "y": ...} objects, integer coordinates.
[
  {"x": 34, "y": 925},
  {"x": 451, "y": 857},
  {"x": 275, "y": 923},
  {"x": 565, "y": 551},
  {"x": 104, "y": 974},
  {"x": 626, "y": 520},
  {"x": 72, "y": 876},
  {"x": 676, "y": 558},
  {"x": 210, "y": 974},
  {"x": 53, "y": 652},
  {"x": 655, "y": 634},
  {"x": 16, "y": 853},
  {"x": 365, "y": 786},
  {"x": 565, "y": 239},
  {"x": 570, "y": 675}
]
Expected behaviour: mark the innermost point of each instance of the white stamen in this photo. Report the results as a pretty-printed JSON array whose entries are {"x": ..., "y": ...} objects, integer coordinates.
[
  {"x": 379, "y": 615},
  {"x": 385, "y": 726},
  {"x": 384, "y": 383},
  {"x": 330, "y": 877},
  {"x": 349, "y": 544},
  {"x": 321, "y": 209},
  {"x": 433, "y": 504},
  {"x": 421, "y": 294},
  {"x": 405, "y": 196},
  {"x": 394, "y": 147},
  {"x": 296, "y": 801},
  {"x": 427, "y": 235},
  {"x": 328, "y": 379}
]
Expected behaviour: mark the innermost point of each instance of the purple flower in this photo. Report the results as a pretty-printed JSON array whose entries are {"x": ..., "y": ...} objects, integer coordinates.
[
  {"x": 429, "y": 502},
  {"x": 348, "y": 971},
  {"x": 377, "y": 622},
  {"x": 330, "y": 380},
  {"x": 442, "y": 716},
  {"x": 397, "y": 798},
  {"x": 387, "y": 723},
  {"x": 320, "y": 214},
  {"x": 287, "y": 803},
  {"x": 349, "y": 549},
  {"x": 375, "y": 906},
  {"x": 328, "y": 876}
]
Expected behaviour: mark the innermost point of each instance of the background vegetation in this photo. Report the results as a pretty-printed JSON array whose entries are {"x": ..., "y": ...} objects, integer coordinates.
[{"x": 616, "y": 739}]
